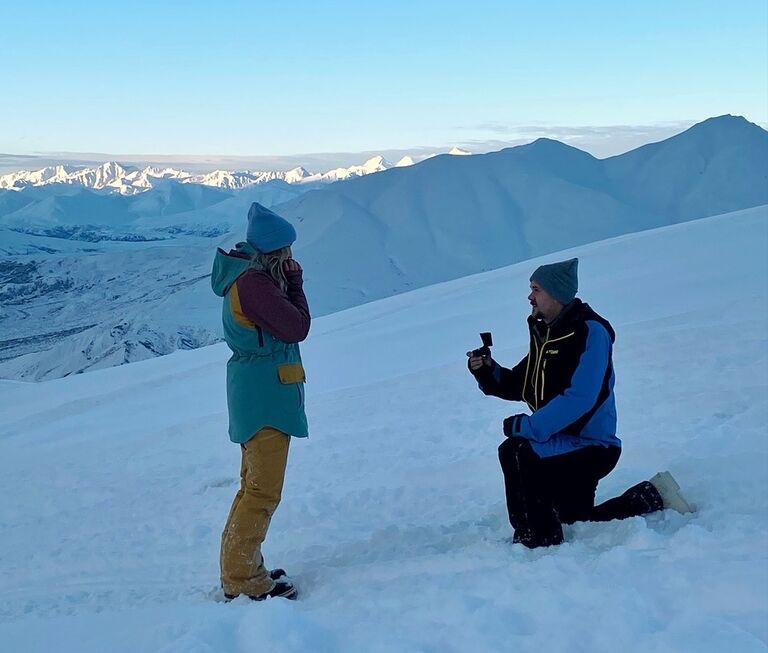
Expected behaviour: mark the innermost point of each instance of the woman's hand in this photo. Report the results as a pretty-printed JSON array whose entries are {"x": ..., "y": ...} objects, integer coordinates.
[{"x": 291, "y": 265}]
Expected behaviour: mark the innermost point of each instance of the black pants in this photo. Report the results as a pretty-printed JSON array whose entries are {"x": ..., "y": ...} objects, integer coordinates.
[{"x": 544, "y": 493}]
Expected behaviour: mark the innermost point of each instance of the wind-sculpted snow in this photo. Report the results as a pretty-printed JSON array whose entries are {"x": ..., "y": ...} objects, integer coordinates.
[
  {"x": 359, "y": 240},
  {"x": 392, "y": 522}
]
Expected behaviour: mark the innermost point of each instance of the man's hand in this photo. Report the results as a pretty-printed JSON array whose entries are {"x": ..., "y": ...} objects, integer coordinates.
[
  {"x": 475, "y": 363},
  {"x": 291, "y": 265},
  {"x": 517, "y": 425},
  {"x": 512, "y": 425}
]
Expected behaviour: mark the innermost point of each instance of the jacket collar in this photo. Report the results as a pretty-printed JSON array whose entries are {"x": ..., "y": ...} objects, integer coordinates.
[
  {"x": 573, "y": 313},
  {"x": 568, "y": 316}
]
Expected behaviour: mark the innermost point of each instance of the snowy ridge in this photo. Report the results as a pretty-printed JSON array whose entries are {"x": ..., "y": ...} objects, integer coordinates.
[
  {"x": 390, "y": 521},
  {"x": 128, "y": 180},
  {"x": 452, "y": 216}
]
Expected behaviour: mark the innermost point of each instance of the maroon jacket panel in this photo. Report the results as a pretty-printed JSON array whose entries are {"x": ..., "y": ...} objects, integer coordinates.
[{"x": 283, "y": 314}]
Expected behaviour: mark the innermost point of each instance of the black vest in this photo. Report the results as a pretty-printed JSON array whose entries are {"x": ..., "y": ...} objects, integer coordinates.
[{"x": 554, "y": 355}]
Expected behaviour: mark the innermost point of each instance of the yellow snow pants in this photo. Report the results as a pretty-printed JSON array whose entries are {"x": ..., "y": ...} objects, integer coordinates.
[{"x": 262, "y": 471}]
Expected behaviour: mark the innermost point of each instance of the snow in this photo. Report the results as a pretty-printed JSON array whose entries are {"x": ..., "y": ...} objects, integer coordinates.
[
  {"x": 451, "y": 216},
  {"x": 117, "y": 482},
  {"x": 699, "y": 171}
]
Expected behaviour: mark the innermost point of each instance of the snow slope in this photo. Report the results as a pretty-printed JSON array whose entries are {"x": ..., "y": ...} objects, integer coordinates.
[
  {"x": 117, "y": 483},
  {"x": 698, "y": 172}
]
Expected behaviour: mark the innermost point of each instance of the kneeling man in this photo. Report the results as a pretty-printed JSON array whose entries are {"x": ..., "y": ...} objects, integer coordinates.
[{"x": 553, "y": 458}]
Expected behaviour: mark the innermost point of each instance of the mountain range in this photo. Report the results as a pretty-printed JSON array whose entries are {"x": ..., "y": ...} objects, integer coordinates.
[
  {"x": 448, "y": 217},
  {"x": 92, "y": 279},
  {"x": 128, "y": 180}
]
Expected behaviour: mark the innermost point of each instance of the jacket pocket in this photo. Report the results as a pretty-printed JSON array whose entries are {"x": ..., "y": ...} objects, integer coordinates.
[{"x": 291, "y": 373}]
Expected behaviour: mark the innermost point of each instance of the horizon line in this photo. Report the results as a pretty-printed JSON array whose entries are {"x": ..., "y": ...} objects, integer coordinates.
[{"x": 608, "y": 141}]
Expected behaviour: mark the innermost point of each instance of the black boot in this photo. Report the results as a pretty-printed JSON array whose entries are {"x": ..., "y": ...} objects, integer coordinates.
[
  {"x": 533, "y": 541},
  {"x": 283, "y": 588}
]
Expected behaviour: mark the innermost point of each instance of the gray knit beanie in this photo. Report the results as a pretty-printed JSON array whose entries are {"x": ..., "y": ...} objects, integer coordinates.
[{"x": 561, "y": 280}]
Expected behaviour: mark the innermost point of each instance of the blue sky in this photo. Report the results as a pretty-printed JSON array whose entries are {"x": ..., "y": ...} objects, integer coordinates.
[{"x": 274, "y": 78}]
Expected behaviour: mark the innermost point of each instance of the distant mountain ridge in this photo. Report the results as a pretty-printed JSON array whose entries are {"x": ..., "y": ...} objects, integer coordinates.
[
  {"x": 91, "y": 279},
  {"x": 128, "y": 180}
]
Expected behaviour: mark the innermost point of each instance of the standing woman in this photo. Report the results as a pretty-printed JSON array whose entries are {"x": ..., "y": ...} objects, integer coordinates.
[{"x": 265, "y": 316}]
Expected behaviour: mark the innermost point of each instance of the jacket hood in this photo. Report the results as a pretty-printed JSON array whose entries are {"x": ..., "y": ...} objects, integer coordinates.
[{"x": 227, "y": 267}]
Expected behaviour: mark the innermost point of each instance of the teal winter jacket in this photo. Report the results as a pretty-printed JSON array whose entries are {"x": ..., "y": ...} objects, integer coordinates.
[{"x": 263, "y": 327}]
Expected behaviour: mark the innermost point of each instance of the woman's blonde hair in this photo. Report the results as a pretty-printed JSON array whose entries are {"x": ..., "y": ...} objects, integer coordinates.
[{"x": 273, "y": 264}]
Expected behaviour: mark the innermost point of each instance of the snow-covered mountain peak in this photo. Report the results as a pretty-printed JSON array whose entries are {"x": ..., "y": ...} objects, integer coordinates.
[
  {"x": 128, "y": 180},
  {"x": 458, "y": 151},
  {"x": 297, "y": 175},
  {"x": 112, "y": 168},
  {"x": 726, "y": 120},
  {"x": 166, "y": 173},
  {"x": 723, "y": 129},
  {"x": 376, "y": 164},
  {"x": 545, "y": 143}
]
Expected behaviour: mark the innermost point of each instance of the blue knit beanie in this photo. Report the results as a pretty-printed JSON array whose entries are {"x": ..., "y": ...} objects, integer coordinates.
[
  {"x": 267, "y": 231},
  {"x": 560, "y": 280}
]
